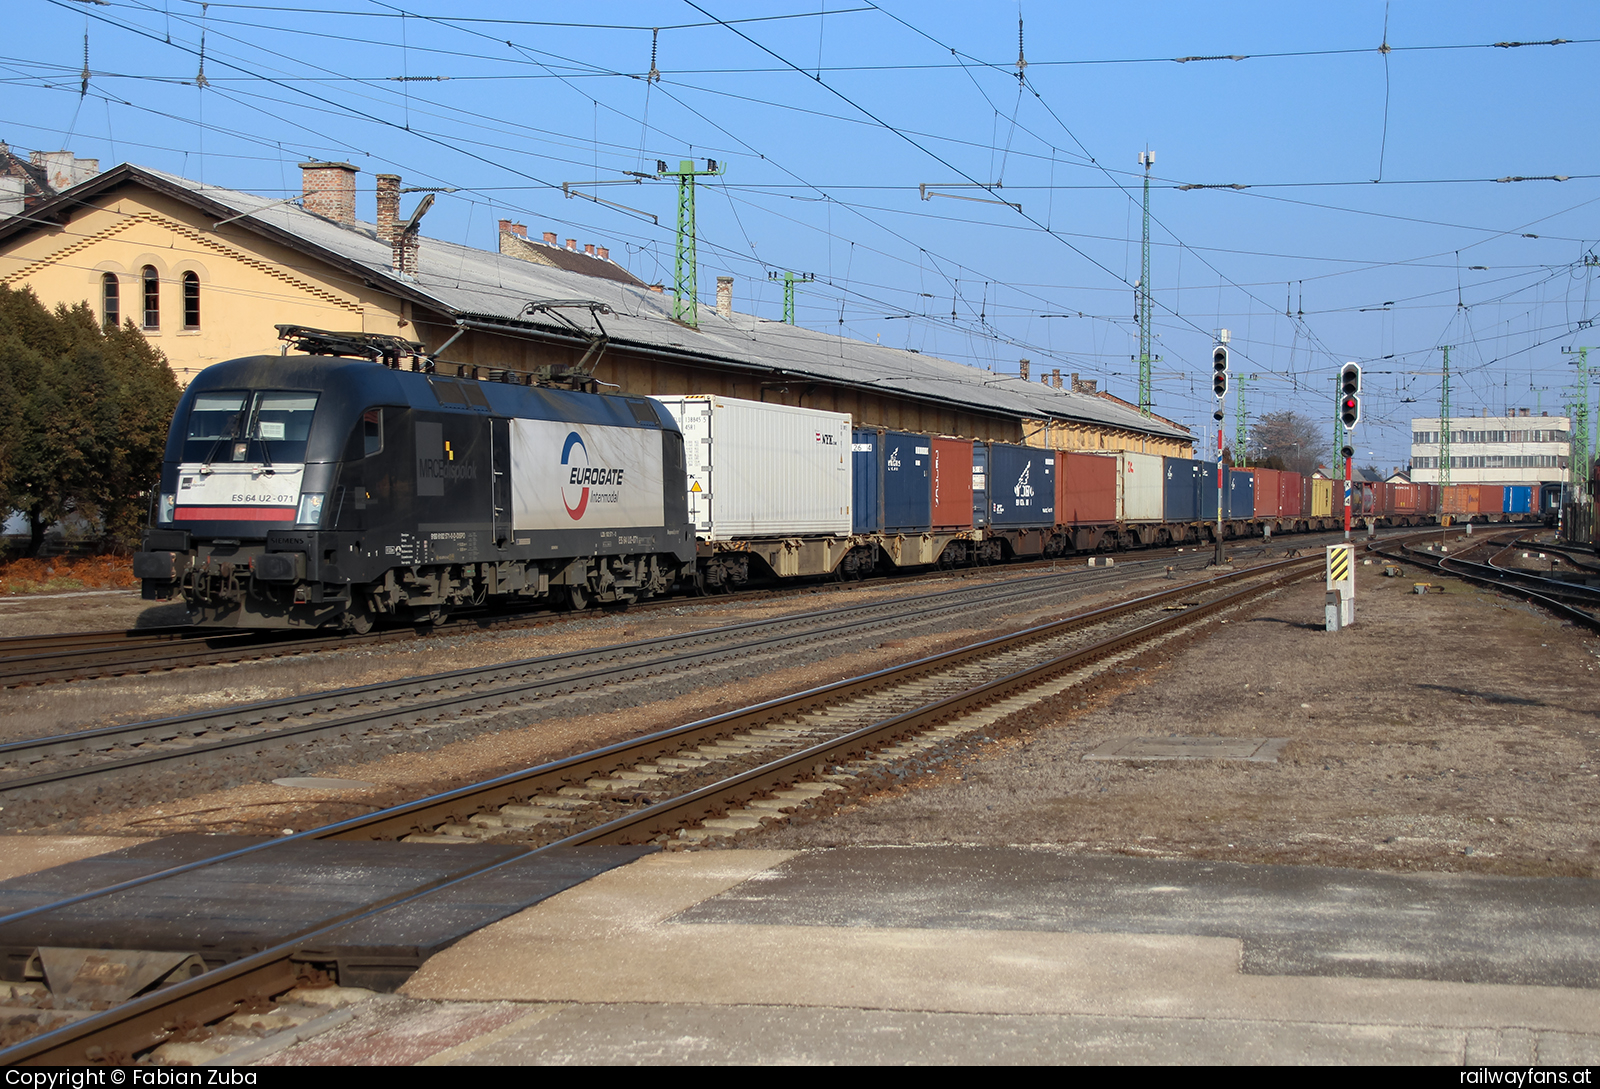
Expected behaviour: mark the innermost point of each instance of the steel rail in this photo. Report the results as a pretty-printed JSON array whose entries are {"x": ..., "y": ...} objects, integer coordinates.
[
  {"x": 494, "y": 685},
  {"x": 1464, "y": 569},
  {"x": 120, "y": 652},
  {"x": 119, "y": 1033},
  {"x": 465, "y": 802},
  {"x": 408, "y": 815}
]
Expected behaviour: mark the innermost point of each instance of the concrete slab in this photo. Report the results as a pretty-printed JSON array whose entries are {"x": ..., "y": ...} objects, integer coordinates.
[
  {"x": 21, "y": 855},
  {"x": 1263, "y": 750},
  {"x": 613, "y": 941},
  {"x": 1291, "y": 920},
  {"x": 765, "y": 1035}
]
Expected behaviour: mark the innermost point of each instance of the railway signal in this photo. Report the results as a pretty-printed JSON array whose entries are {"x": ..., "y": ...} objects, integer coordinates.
[
  {"x": 1350, "y": 395},
  {"x": 1219, "y": 386},
  {"x": 1349, "y": 416}
]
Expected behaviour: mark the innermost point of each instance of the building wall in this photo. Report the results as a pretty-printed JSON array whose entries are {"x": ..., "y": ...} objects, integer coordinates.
[
  {"x": 247, "y": 285},
  {"x": 1488, "y": 450},
  {"x": 1088, "y": 438}
]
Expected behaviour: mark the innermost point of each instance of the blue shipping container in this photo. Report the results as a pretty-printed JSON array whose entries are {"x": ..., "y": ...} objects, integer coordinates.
[
  {"x": 907, "y": 482},
  {"x": 1519, "y": 499},
  {"x": 1022, "y": 485},
  {"x": 1241, "y": 493},
  {"x": 1180, "y": 489},
  {"x": 866, "y": 465}
]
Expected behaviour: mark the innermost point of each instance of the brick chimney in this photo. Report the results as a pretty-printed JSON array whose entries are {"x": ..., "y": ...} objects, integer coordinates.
[
  {"x": 329, "y": 190},
  {"x": 514, "y": 239},
  {"x": 550, "y": 238},
  {"x": 1055, "y": 378},
  {"x": 725, "y": 296},
  {"x": 388, "y": 206},
  {"x": 572, "y": 245},
  {"x": 603, "y": 253},
  {"x": 661, "y": 288},
  {"x": 403, "y": 253},
  {"x": 1022, "y": 369},
  {"x": 1085, "y": 385}
]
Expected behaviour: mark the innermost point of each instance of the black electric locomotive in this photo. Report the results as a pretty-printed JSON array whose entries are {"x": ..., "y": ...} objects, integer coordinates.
[{"x": 311, "y": 490}]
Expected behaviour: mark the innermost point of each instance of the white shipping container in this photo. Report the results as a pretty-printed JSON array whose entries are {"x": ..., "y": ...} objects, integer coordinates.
[
  {"x": 1139, "y": 488},
  {"x": 764, "y": 470}
]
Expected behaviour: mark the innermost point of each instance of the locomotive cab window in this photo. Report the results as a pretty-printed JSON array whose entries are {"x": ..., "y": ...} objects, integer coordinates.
[
  {"x": 366, "y": 438},
  {"x": 268, "y": 426}
]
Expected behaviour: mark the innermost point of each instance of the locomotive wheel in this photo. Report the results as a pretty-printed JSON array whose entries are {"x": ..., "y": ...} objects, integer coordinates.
[
  {"x": 358, "y": 619},
  {"x": 575, "y": 598}
]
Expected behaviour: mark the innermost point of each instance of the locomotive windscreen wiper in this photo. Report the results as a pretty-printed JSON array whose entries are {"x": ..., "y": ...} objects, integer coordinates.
[{"x": 230, "y": 431}]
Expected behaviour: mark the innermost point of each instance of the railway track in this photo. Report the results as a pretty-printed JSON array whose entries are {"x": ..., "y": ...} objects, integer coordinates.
[
  {"x": 1574, "y": 602},
  {"x": 71, "y": 656},
  {"x": 740, "y": 769},
  {"x": 36, "y": 768}
]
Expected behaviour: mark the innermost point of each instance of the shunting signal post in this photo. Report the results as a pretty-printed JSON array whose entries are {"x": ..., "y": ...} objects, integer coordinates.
[
  {"x": 1349, "y": 416},
  {"x": 1340, "y": 600},
  {"x": 1219, "y": 386}
]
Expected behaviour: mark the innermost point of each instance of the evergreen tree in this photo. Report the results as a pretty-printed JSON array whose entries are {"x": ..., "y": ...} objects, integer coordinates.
[{"x": 85, "y": 421}]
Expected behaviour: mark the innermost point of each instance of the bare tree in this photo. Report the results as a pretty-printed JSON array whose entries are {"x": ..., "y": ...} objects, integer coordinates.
[{"x": 1287, "y": 440}]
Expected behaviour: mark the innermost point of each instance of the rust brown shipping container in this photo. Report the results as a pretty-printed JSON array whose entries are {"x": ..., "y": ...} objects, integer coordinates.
[
  {"x": 1290, "y": 494},
  {"x": 1455, "y": 499},
  {"x": 1265, "y": 504},
  {"x": 1086, "y": 489},
  {"x": 952, "y": 483}
]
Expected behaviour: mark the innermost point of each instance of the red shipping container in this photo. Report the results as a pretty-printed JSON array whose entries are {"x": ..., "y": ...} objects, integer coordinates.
[
  {"x": 952, "y": 483},
  {"x": 1086, "y": 489},
  {"x": 1290, "y": 491},
  {"x": 1266, "y": 492},
  {"x": 1378, "y": 498},
  {"x": 1455, "y": 499}
]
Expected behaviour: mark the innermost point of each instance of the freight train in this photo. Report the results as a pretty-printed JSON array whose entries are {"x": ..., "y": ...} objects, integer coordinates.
[{"x": 340, "y": 489}]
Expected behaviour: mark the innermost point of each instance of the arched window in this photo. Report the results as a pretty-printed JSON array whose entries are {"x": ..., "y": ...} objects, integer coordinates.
[
  {"x": 111, "y": 301},
  {"x": 152, "y": 298},
  {"x": 191, "y": 301}
]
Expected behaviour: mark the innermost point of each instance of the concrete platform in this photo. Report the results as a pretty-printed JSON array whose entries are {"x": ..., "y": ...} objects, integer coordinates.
[{"x": 879, "y": 955}]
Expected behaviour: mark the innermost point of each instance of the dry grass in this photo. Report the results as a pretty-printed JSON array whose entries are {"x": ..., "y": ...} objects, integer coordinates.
[{"x": 65, "y": 574}]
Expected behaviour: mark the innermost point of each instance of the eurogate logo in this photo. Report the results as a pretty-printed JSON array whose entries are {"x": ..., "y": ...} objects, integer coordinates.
[
  {"x": 574, "y": 469},
  {"x": 581, "y": 476}
]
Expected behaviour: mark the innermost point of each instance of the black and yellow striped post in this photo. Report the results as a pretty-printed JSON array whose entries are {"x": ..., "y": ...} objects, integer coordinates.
[{"x": 1340, "y": 601}]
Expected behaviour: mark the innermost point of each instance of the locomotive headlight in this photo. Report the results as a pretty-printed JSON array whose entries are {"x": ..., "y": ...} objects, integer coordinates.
[
  {"x": 310, "y": 512},
  {"x": 166, "y": 509}
]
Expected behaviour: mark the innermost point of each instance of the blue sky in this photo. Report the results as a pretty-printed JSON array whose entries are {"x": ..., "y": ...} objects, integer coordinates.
[{"x": 1370, "y": 211}]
